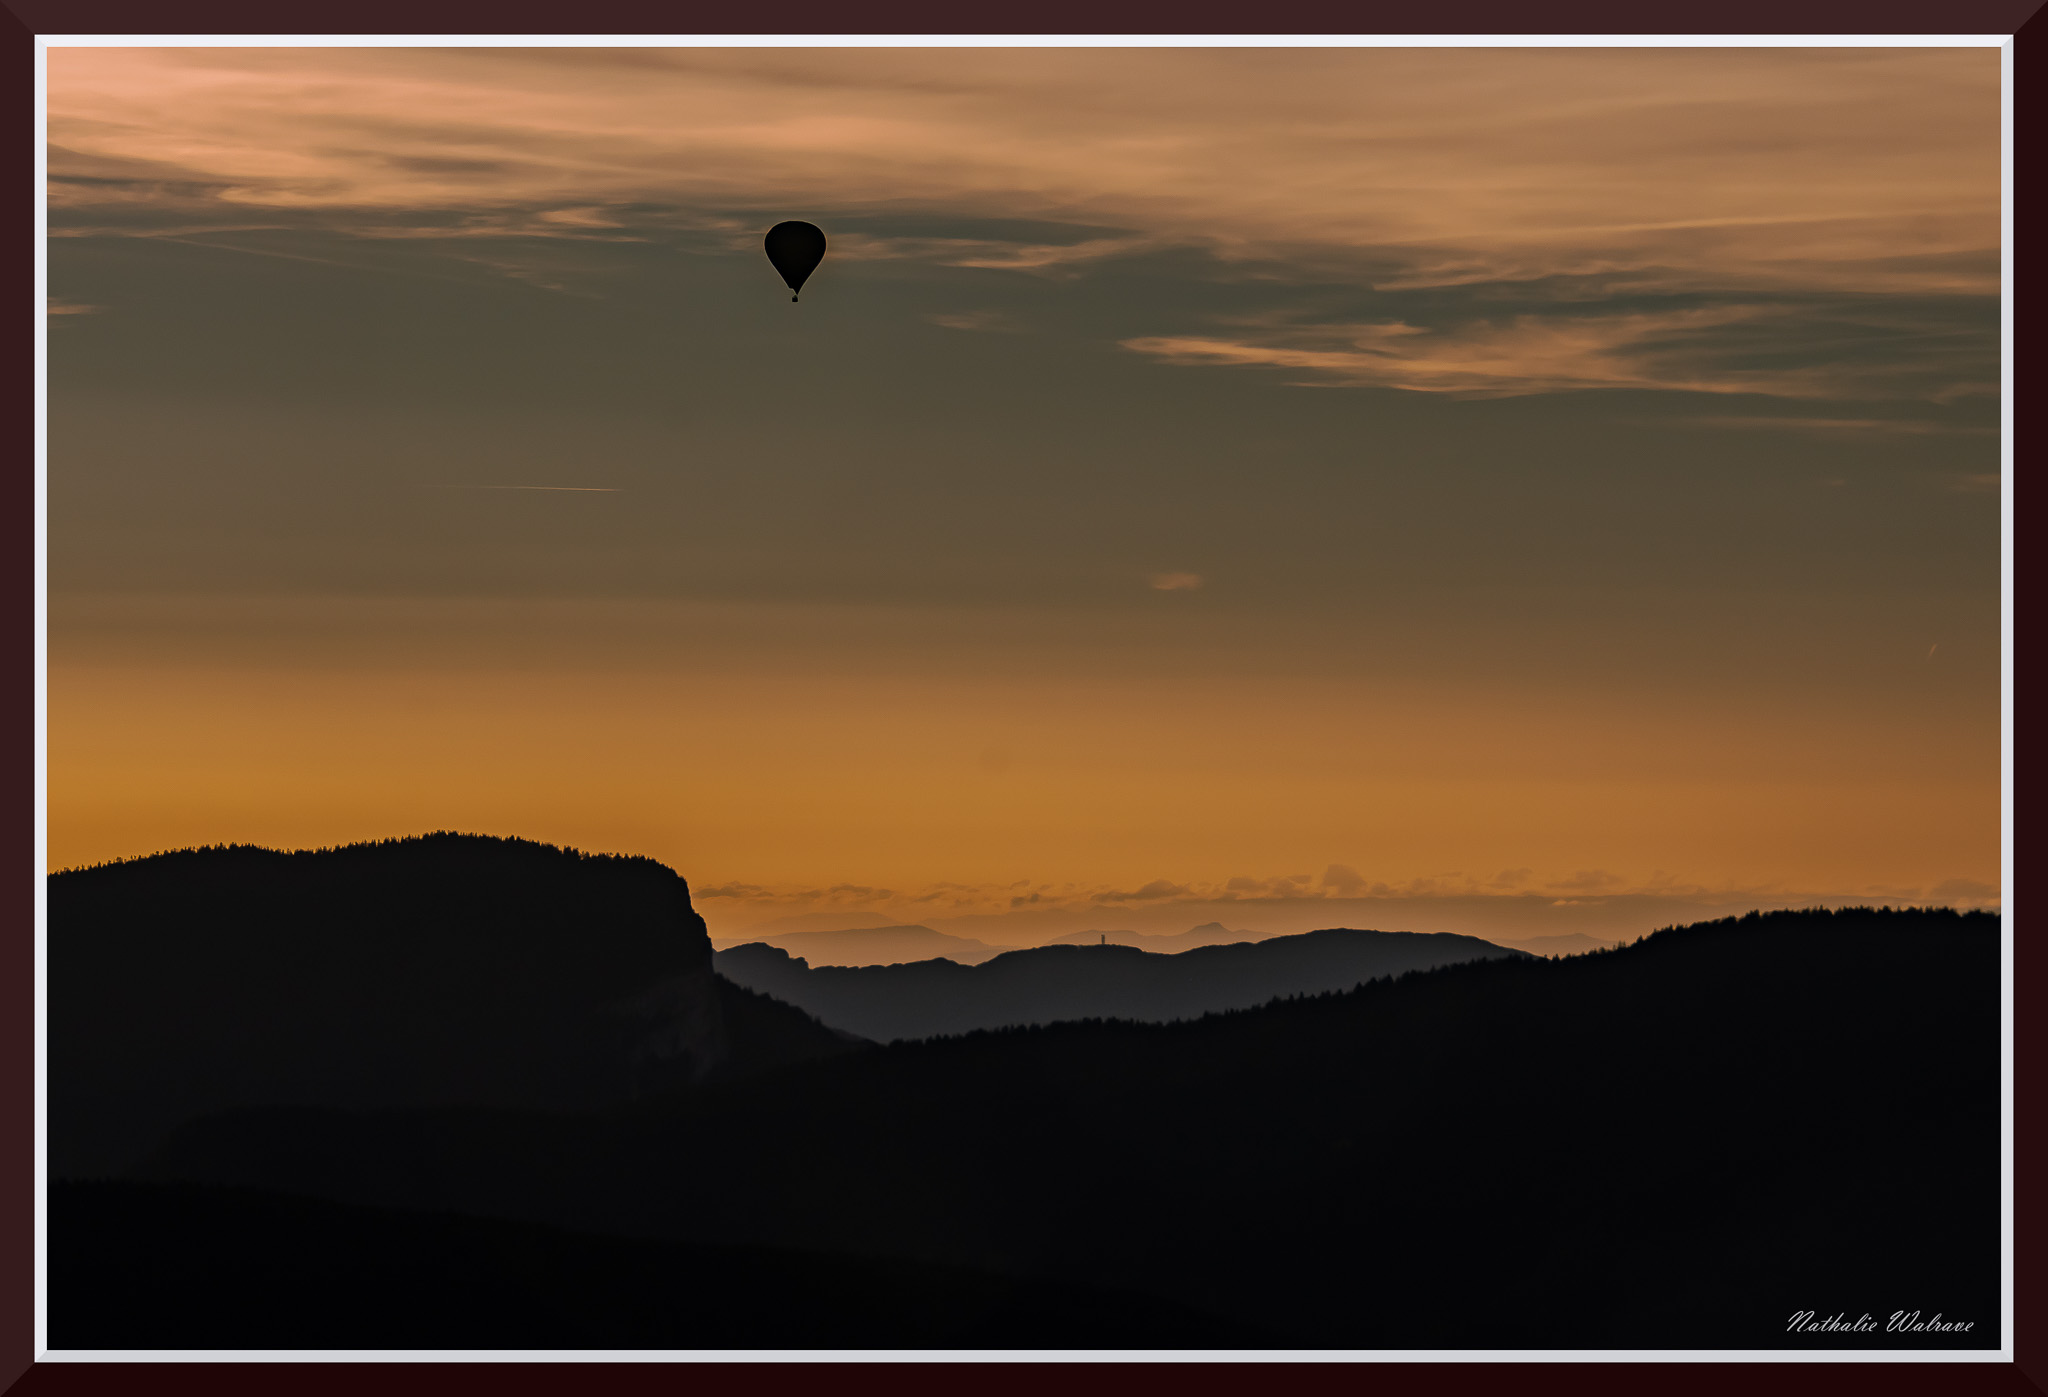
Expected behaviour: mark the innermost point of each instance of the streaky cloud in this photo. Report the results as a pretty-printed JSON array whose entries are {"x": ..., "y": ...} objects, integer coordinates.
[{"x": 1719, "y": 167}]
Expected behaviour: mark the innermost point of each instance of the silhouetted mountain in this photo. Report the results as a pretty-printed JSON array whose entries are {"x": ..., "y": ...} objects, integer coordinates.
[
  {"x": 439, "y": 970},
  {"x": 1208, "y": 934},
  {"x": 881, "y": 945},
  {"x": 929, "y": 998},
  {"x": 1573, "y": 944},
  {"x": 1784, "y": 1113},
  {"x": 175, "y": 1266}
]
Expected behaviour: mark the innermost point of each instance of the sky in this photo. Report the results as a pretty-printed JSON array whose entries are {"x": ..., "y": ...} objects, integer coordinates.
[{"x": 1503, "y": 490}]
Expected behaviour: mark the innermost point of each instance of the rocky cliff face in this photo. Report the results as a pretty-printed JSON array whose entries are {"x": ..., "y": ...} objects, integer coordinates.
[
  {"x": 675, "y": 1033},
  {"x": 438, "y": 971}
]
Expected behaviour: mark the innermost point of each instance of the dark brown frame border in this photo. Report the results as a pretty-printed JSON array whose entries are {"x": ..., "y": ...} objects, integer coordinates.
[{"x": 22, "y": 20}]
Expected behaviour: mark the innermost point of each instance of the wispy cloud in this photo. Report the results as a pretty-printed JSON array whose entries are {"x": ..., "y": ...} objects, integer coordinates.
[
  {"x": 1707, "y": 349},
  {"x": 1835, "y": 426},
  {"x": 1528, "y": 354},
  {"x": 1724, "y": 168},
  {"x": 1578, "y": 187},
  {"x": 986, "y": 252},
  {"x": 992, "y": 321}
]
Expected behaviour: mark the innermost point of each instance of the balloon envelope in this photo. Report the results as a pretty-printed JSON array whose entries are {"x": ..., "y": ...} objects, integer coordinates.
[{"x": 796, "y": 249}]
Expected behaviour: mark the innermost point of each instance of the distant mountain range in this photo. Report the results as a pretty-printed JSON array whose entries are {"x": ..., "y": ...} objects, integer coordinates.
[
  {"x": 928, "y": 998},
  {"x": 900, "y": 945},
  {"x": 1574, "y": 944},
  {"x": 880, "y": 945},
  {"x": 1208, "y": 934},
  {"x": 1781, "y": 1113}
]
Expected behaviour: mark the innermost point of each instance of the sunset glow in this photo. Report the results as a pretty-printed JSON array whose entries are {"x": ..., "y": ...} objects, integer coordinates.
[{"x": 1443, "y": 489}]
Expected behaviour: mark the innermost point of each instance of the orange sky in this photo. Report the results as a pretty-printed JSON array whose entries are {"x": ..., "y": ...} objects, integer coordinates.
[
  {"x": 1247, "y": 474},
  {"x": 983, "y": 781}
]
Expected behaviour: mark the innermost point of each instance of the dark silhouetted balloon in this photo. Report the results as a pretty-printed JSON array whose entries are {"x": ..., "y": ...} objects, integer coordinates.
[{"x": 796, "y": 249}]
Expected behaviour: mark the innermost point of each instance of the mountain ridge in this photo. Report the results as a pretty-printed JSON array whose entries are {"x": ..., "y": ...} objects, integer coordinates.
[
  {"x": 881, "y": 945},
  {"x": 1057, "y": 981},
  {"x": 442, "y": 968},
  {"x": 1207, "y": 934}
]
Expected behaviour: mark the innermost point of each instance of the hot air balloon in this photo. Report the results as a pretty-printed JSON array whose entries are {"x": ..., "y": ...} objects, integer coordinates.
[{"x": 796, "y": 249}]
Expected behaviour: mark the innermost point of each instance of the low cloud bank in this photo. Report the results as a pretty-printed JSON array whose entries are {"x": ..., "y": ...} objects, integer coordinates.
[{"x": 1593, "y": 903}]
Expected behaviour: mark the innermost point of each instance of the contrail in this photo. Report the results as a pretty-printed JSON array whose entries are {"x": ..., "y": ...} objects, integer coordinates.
[
  {"x": 574, "y": 489},
  {"x": 1930, "y": 651}
]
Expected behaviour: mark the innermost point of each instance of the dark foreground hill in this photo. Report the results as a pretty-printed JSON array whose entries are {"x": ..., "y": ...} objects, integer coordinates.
[
  {"x": 927, "y": 999},
  {"x": 449, "y": 969},
  {"x": 185, "y": 1266},
  {"x": 1794, "y": 1112}
]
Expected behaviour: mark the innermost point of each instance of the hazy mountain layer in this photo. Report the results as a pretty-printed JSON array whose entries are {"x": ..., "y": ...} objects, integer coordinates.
[
  {"x": 881, "y": 945},
  {"x": 1051, "y": 983},
  {"x": 1208, "y": 934},
  {"x": 1573, "y": 944}
]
